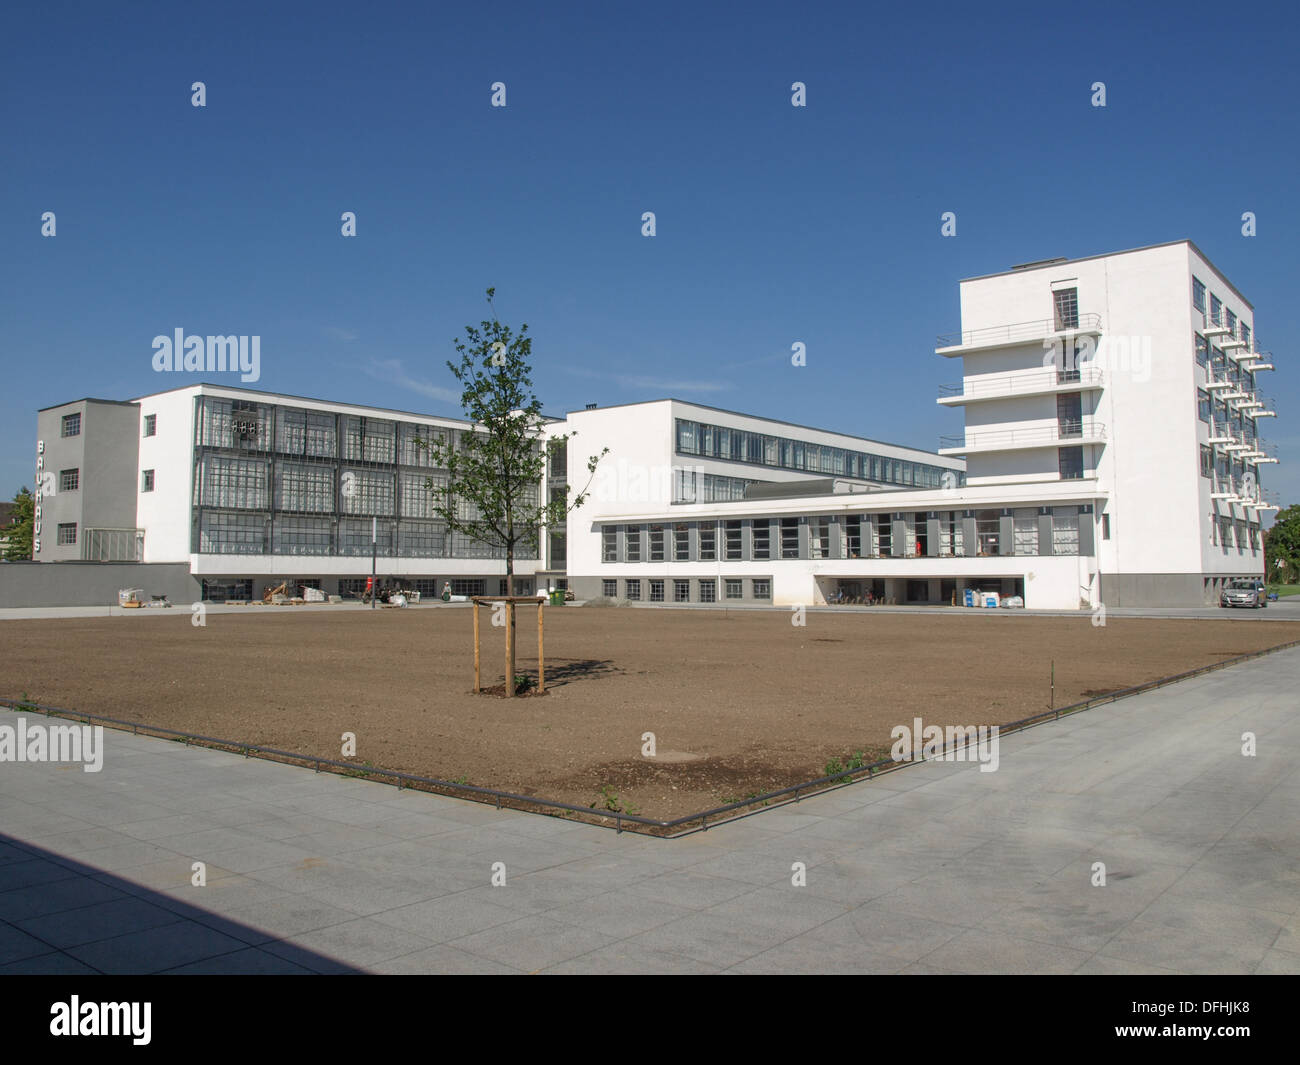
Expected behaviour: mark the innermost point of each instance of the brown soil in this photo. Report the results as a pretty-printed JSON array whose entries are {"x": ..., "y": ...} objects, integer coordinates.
[{"x": 739, "y": 703}]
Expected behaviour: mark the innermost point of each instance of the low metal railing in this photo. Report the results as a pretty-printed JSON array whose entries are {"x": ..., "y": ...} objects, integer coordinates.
[
  {"x": 1018, "y": 332},
  {"x": 1046, "y": 435},
  {"x": 1020, "y": 384}
]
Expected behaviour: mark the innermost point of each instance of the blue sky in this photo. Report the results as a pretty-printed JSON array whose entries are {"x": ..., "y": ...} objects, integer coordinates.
[{"x": 775, "y": 224}]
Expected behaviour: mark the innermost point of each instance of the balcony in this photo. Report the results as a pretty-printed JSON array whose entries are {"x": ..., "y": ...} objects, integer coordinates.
[
  {"x": 1065, "y": 434},
  {"x": 1001, "y": 336},
  {"x": 1213, "y": 328},
  {"x": 1258, "y": 360},
  {"x": 1003, "y": 386}
]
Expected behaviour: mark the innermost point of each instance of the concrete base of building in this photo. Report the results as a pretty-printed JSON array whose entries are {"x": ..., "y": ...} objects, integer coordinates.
[
  {"x": 35, "y": 584},
  {"x": 1163, "y": 589}
]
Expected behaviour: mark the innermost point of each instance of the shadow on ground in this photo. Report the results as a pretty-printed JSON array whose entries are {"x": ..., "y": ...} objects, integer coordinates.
[{"x": 61, "y": 916}]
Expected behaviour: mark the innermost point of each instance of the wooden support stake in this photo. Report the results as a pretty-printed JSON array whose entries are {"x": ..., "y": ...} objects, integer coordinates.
[
  {"x": 541, "y": 661},
  {"x": 510, "y": 647},
  {"x": 476, "y": 648}
]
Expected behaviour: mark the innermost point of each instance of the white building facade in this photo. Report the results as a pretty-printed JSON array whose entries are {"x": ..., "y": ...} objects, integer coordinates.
[
  {"x": 1111, "y": 454},
  {"x": 1111, "y": 448}
]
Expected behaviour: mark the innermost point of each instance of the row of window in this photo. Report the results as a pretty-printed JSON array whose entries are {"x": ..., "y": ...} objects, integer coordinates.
[
  {"x": 1220, "y": 368},
  {"x": 937, "y": 534},
  {"x": 693, "y": 486},
  {"x": 319, "y": 488},
  {"x": 1227, "y": 534},
  {"x": 70, "y": 425},
  {"x": 70, "y": 480},
  {"x": 254, "y": 534},
  {"x": 251, "y": 426},
  {"x": 738, "y": 445},
  {"x": 705, "y": 590},
  {"x": 1222, "y": 464},
  {"x": 1217, "y": 313}
]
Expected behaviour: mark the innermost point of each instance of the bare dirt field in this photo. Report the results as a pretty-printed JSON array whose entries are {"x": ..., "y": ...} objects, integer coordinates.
[{"x": 740, "y": 702}]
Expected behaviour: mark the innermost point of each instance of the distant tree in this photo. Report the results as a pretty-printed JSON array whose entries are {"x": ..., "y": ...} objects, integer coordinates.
[
  {"x": 1282, "y": 543},
  {"x": 19, "y": 529},
  {"x": 494, "y": 472}
]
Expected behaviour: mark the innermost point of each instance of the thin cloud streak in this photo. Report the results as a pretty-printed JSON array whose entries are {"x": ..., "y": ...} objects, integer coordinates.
[{"x": 392, "y": 372}]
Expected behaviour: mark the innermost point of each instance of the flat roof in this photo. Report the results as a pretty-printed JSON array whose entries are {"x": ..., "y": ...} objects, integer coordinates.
[
  {"x": 87, "y": 399},
  {"x": 1057, "y": 263},
  {"x": 774, "y": 421}
]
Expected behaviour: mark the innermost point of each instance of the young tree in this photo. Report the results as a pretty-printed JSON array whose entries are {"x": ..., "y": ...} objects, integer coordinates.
[
  {"x": 1282, "y": 543},
  {"x": 494, "y": 472},
  {"x": 18, "y": 530}
]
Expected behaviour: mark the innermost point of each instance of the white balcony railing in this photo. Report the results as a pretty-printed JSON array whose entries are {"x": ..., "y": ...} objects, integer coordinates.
[
  {"x": 994, "y": 386},
  {"x": 1064, "y": 434},
  {"x": 1022, "y": 332}
]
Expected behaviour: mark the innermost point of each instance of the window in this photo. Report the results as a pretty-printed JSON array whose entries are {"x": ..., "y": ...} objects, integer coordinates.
[
  {"x": 1066, "y": 301},
  {"x": 681, "y": 591},
  {"x": 819, "y": 538},
  {"x": 467, "y": 587},
  {"x": 232, "y": 534},
  {"x": 68, "y": 532},
  {"x": 633, "y": 590},
  {"x": 146, "y": 481},
  {"x": 370, "y": 492},
  {"x": 609, "y": 544},
  {"x": 708, "y": 591},
  {"x": 1105, "y": 526},
  {"x": 789, "y": 537},
  {"x": 1216, "y": 310},
  {"x": 632, "y": 548},
  {"x": 656, "y": 543},
  {"x": 681, "y": 542},
  {"x": 762, "y": 588},
  {"x": 1070, "y": 463},
  {"x": 300, "y": 432},
  {"x": 733, "y": 547},
  {"x": 656, "y": 591},
  {"x": 853, "y": 535},
  {"x": 684, "y": 483},
  {"x": 301, "y": 536},
  {"x": 71, "y": 425},
  {"x": 1207, "y": 461},
  {"x": 735, "y": 588},
  {"x": 422, "y": 539},
  {"x": 762, "y": 538},
  {"x": 1065, "y": 531},
  {"x": 884, "y": 535},
  {"x": 69, "y": 480},
  {"x": 1245, "y": 335},
  {"x": 1069, "y": 414},
  {"x": 1198, "y": 294},
  {"x": 1025, "y": 532},
  {"x": 1231, "y": 323},
  {"x": 708, "y": 541},
  {"x": 688, "y": 437},
  {"x": 1202, "y": 404},
  {"x": 1202, "y": 350},
  {"x": 609, "y": 589}
]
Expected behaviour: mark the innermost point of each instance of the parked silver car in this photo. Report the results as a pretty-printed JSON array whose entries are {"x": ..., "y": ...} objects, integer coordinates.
[{"x": 1243, "y": 593}]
